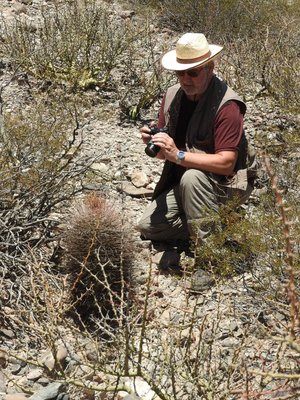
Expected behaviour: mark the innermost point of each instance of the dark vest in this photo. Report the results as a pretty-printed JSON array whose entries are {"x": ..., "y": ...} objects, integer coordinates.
[{"x": 200, "y": 131}]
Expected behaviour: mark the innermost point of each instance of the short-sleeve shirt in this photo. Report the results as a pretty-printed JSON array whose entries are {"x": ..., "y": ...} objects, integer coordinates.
[{"x": 228, "y": 127}]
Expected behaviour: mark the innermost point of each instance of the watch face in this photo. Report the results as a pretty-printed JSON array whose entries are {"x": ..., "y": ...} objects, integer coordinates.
[{"x": 181, "y": 155}]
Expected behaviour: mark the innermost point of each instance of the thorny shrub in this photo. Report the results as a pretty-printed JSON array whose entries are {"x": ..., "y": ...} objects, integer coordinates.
[
  {"x": 38, "y": 175},
  {"x": 142, "y": 81},
  {"x": 233, "y": 243}
]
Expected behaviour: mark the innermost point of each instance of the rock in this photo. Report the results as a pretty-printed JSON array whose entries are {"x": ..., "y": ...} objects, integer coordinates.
[
  {"x": 230, "y": 342},
  {"x": 19, "y": 9},
  {"x": 140, "y": 387},
  {"x": 63, "y": 396},
  {"x": 3, "y": 359},
  {"x": 2, "y": 383},
  {"x": 15, "y": 396},
  {"x": 49, "y": 392},
  {"x": 127, "y": 14},
  {"x": 16, "y": 368},
  {"x": 43, "y": 381},
  {"x": 7, "y": 333},
  {"x": 139, "y": 178},
  {"x": 61, "y": 354},
  {"x": 49, "y": 361},
  {"x": 35, "y": 374},
  {"x": 100, "y": 167},
  {"x": 131, "y": 190}
]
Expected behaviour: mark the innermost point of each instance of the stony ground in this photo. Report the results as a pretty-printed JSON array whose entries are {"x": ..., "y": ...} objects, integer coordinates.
[{"x": 233, "y": 323}]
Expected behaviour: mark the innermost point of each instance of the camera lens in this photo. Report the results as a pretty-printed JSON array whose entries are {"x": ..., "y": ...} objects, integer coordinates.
[{"x": 151, "y": 149}]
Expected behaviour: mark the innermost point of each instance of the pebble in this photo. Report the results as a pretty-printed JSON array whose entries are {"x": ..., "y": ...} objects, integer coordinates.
[
  {"x": 139, "y": 178},
  {"x": 229, "y": 342},
  {"x": 2, "y": 383},
  {"x": 7, "y": 333},
  {"x": 3, "y": 359},
  {"x": 35, "y": 374},
  {"x": 16, "y": 396},
  {"x": 49, "y": 392},
  {"x": 49, "y": 361},
  {"x": 19, "y": 9},
  {"x": 16, "y": 368}
]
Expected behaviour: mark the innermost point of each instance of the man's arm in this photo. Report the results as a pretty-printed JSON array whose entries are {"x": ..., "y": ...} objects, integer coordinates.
[
  {"x": 228, "y": 133},
  {"x": 221, "y": 163}
]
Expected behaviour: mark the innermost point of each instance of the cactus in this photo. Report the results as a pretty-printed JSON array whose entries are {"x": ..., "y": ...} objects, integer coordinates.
[{"x": 98, "y": 258}]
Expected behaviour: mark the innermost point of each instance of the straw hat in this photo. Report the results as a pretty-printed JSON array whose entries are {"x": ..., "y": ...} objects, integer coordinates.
[{"x": 192, "y": 49}]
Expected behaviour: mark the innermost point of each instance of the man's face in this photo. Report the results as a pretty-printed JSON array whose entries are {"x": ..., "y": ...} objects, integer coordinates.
[{"x": 195, "y": 81}]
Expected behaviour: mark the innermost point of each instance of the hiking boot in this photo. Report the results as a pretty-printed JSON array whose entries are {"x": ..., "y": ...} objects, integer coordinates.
[{"x": 200, "y": 281}]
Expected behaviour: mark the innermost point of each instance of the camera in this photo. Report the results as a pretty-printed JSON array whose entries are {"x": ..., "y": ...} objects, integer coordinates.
[{"x": 152, "y": 149}]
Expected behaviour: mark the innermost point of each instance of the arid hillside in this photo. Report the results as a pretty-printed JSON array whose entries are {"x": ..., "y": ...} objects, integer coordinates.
[{"x": 85, "y": 311}]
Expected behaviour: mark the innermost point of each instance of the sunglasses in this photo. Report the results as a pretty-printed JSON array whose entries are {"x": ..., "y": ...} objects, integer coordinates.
[{"x": 193, "y": 73}]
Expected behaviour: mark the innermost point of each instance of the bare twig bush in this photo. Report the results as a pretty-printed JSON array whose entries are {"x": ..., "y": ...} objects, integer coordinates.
[
  {"x": 235, "y": 241},
  {"x": 142, "y": 80},
  {"x": 38, "y": 175}
]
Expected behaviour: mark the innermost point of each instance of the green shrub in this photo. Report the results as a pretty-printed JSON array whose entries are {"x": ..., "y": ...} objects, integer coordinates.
[
  {"x": 76, "y": 42},
  {"x": 234, "y": 242}
]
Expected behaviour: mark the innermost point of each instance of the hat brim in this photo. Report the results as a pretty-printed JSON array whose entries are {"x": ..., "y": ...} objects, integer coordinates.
[{"x": 169, "y": 60}]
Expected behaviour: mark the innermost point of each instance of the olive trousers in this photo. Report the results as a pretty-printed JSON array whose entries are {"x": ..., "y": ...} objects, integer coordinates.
[{"x": 186, "y": 210}]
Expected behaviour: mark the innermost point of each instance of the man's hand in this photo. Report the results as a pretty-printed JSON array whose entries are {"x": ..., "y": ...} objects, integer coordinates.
[
  {"x": 145, "y": 134},
  {"x": 168, "y": 148}
]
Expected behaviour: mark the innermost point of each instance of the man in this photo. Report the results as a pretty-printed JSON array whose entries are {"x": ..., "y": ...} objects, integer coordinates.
[{"x": 205, "y": 149}]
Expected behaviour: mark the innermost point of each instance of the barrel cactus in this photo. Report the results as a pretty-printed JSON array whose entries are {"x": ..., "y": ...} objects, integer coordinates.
[{"x": 98, "y": 259}]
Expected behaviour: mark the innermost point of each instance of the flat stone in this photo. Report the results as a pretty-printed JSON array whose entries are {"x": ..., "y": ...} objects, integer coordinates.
[
  {"x": 100, "y": 167},
  {"x": 43, "y": 381},
  {"x": 35, "y": 374},
  {"x": 7, "y": 333},
  {"x": 19, "y": 9},
  {"x": 48, "y": 359},
  {"x": 166, "y": 259},
  {"x": 129, "y": 189},
  {"x": 230, "y": 342},
  {"x": 200, "y": 281}
]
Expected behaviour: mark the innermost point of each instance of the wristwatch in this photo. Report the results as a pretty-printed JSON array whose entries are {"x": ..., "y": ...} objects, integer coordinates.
[{"x": 180, "y": 156}]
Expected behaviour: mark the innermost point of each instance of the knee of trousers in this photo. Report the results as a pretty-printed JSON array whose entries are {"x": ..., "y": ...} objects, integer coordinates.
[{"x": 193, "y": 178}]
